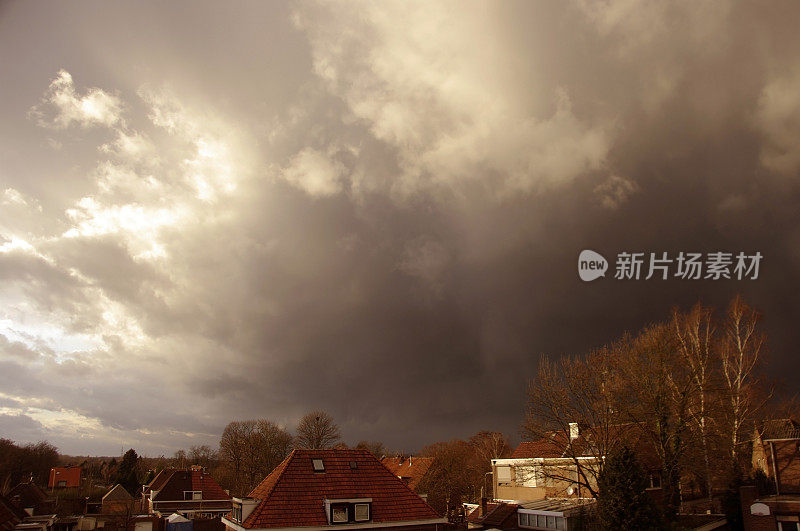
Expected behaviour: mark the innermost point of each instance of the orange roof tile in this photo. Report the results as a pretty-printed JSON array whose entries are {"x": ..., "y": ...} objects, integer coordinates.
[
  {"x": 293, "y": 494},
  {"x": 410, "y": 469}
]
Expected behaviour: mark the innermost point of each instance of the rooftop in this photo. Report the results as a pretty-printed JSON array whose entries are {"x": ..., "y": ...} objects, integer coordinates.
[{"x": 294, "y": 494}]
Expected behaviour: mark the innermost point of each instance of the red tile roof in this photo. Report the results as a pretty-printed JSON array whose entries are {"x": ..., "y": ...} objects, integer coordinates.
[
  {"x": 504, "y": 515},
  {"x": 410, "y": 469},
  {"x": 70, "y": 475},
  {"x": 546, "y": 447},
  {"x": 475, "y": 515},
  {"x": 170, "y": 484},
  {"x": 777, "y": 429},
  {"x": 293, "y": 494},
  {"x": 158, "y": 481},
  {"x": 557, "y": 444}
]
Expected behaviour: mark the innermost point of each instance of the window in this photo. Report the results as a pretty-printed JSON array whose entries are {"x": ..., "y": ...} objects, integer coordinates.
[
  {"x": 348, "y": 511},
  {"x": 318, "y": 465},
  {"x": 504, "y": 475},
  {"x": 237, "y": 513},
  {"x": 788, "y": 526},
  {"x": 541, "y": 521},
  {"x": 62, "y": 483},
  {"x": 339, "y": 514},
  {"x": 361, "y": 512},
  {"x": 192, "y": 495}
]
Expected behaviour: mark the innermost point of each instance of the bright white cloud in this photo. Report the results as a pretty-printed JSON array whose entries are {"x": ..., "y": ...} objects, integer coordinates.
[
  {"x": 111, "y": 258},
  {"x": 62, "y": 105},
  {"x": 13, "y": 197},
  {"x": 131, "y": 145},
  {"x": 315, "y": 173},
  {"x": 422, "y": 83}
]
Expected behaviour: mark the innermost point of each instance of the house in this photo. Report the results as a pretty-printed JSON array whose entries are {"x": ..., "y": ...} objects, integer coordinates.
[
  {"x": 117, "y": 501},
  {"x": 542, "y": 514},
  {"x": 45, "y": 522},
  {"x": 31, "y": 499},
  {"x": 411, "y": 470},
  {"x": 562, "y": 463},
  {"x": 776, "y": 453},
  {"x": 528, "y": 474},
  {"x": 554, "y": 514},
  {"x": 191, "y": 493},
  {"x": 64, "y": 477},
  {"x": 323, "y": 489},
  {"x": 493, "y": 516},
  {"x": 774, "y": 511},
  {"x": 10, "y": 515}
]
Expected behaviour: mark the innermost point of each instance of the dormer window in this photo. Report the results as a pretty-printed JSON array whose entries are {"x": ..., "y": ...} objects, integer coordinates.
[
  {"x": 318, "y": 465},
  {"x": 339, "y": 513},
  {"x": 349, "y": 511},
  {"x": 242, "y": 507},
  {"x": 361, "y": 511}
]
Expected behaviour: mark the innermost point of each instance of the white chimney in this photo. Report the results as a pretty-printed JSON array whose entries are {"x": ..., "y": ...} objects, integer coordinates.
[{"x": 574, "y": 432}]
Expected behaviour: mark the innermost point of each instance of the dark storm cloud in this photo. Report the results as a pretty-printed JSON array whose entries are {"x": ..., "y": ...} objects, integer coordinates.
[{"x": 383, "y": 222}]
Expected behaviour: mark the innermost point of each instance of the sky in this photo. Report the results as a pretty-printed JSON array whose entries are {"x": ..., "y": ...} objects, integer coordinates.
[{"x": 214, "y": 212}]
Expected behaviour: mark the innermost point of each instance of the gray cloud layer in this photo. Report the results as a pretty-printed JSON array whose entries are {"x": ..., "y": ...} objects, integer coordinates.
[{"x": 376, "y": 209}]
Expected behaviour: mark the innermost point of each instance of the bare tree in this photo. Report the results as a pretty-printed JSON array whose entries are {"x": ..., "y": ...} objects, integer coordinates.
[
  {"x": 179, "y": 459},
  {"x": 232, "y": 451},
  {"x": 376, "y": 448},
  {"x": 202, "y": 455},
  {"x": 251, "y": 449},
  {"x": 490, "y": 445},
  {"x": 741, "y": 351},
  {"x": 654, "y": 394},
  {"x": 317, "y": 430},
  {"x": 571, "y": 398},
  {"x": 694, "y": 334},
  {"x": 455, "y": 475}
]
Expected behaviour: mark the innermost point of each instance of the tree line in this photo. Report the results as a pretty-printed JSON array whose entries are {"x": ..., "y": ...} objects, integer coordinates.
[
  {"x": 22, "y": 463},
  {"x": 687, "y": 390}
]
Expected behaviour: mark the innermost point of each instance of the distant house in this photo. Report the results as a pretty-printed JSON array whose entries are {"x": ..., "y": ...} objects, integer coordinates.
[
  {"x": 38, "y": 523},
  {"x": 781, "y": 512},
  {"x": 190, "y": 493},
  {"x": 64, "y": 477},
  {"x": 526, "y": 475},
  {"x": 411, "y": 470},
  {"x": 31, "y": 499},
  {"x": 10, "y": 515},
  {"x": 549, "y": 467},
  {"x": 321, "y": 489},
  {"x": 493, "y": 516},
  {"x": 776, "y": 453},
  {"x": 563, "y": 514},
  {"x": 117, "y": 501}
]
